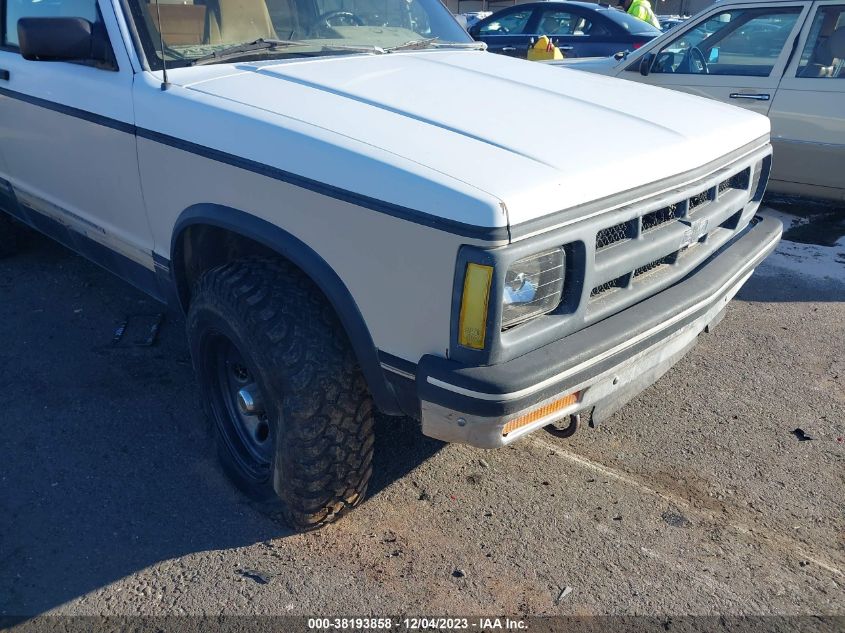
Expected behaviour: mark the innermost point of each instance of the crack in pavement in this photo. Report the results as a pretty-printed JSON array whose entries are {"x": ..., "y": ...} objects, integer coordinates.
[{"x": 772, "y": 539}]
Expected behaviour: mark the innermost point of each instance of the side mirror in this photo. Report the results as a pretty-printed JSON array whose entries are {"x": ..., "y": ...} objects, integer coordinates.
[
  {"x": 474, "y": 30},
  {"x": 646, "y": 63},
  {"x": 713, "y": 57},
  {"x": 60, "y": 40}
]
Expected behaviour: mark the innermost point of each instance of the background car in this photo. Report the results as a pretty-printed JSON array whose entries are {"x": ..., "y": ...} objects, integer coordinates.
[
  {"x": 781, "y": 58},
  {"x": 474, "y": 17},
  {"x": 579, "y": 29},
  {"x": 668, "y": 22}
]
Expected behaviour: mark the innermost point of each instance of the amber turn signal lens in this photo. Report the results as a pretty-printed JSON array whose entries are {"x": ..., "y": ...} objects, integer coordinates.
[
  {"x": 538, "y": 414},
  {"x": 472, "y": 324}
]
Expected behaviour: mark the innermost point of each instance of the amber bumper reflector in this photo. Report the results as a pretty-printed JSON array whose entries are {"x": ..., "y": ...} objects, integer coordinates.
[{"x": 538, "y": 414}]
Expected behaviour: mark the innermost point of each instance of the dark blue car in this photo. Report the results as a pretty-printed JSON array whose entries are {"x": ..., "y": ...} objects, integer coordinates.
[{"x": 579, "y": 29}]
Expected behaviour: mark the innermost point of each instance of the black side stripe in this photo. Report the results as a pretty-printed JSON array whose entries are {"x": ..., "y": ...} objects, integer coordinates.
[
  {"x": 491, "y": 234},
  {"x": 387, "y": 208},
  {"x": 97, "y": 119}
]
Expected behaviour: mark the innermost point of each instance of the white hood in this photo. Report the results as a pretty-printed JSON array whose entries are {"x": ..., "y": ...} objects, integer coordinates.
[{"x": 538, "y": 139}]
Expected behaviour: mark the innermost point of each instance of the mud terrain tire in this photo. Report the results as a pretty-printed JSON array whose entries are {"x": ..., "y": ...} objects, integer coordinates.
[{"x": 317, "y": 413}]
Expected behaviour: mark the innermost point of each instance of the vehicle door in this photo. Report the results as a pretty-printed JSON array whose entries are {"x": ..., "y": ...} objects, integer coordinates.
[
  {"x": 733, "y": 54},
  {"x": 505, "y": 32},
  {"x": 808, "y": 111},
  {"x": 576, "y": 33},
  {"x": 68, "y": 138}
]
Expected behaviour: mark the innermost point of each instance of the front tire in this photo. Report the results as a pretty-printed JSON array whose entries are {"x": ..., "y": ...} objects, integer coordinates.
[{"x": 292, "y": 414}]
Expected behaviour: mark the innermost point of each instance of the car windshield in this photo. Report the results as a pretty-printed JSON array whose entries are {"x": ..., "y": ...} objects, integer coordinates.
[{"x": 185, "y": 32}]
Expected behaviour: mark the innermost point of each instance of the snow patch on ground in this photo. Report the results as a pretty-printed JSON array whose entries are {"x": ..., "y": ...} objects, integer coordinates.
[{"x": 809, "y": 260}]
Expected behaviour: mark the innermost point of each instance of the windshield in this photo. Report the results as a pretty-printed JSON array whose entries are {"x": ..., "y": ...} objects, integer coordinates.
[{"x": 195, "y": 29}]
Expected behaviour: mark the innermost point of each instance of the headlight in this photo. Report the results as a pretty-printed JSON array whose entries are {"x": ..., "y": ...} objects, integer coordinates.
[{"x": 533, "y": 286}]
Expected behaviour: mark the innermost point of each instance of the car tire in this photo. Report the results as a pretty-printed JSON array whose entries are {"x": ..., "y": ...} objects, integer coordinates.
[
  {"x": 9, "y": 233},
  {"x": 300, "y": 439}
]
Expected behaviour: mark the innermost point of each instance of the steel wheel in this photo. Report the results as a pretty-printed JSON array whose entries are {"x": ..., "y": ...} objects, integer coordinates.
[{"x": 239, "y": 409}]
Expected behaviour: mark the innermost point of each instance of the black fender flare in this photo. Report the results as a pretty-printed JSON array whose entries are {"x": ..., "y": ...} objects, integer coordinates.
[{"x": 313, "y": 265}]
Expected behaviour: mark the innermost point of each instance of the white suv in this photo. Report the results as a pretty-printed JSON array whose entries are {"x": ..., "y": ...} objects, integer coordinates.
[{"x": 346, "y": 225}]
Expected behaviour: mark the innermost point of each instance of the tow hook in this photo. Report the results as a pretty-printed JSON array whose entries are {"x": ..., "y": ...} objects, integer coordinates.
[{"x": 569, "y": 431}]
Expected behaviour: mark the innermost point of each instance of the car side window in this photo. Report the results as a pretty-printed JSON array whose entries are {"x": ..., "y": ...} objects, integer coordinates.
[
  {"x": 824, "y": 53},
  {"x": 16, "y": 9},
  {"x": 554, "y": 22},
  {"x": 511, "y": 24},
  {"x": 739, "y": 42}
]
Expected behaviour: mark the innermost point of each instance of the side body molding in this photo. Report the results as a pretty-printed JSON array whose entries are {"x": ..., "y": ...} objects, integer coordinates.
[{"x": 312, "y": 264}]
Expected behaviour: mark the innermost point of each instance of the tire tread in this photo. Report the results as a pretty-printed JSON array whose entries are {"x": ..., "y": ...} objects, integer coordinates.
[{"x": 324, "y": 463}]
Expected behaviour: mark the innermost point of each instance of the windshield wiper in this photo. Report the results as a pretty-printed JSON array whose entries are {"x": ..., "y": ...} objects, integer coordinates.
[
  {"x": 433, "y": 42},
  {"x": 471, "y": 46},
  {"x": 352, "y": 48},
  {"x": 261, "y": 44},
  {"x": 413, "y": 44},
  {"x": 238, "y": 50}
]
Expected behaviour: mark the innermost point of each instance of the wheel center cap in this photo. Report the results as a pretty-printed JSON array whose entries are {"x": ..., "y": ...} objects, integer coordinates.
[{"x": 249, "y": 400}]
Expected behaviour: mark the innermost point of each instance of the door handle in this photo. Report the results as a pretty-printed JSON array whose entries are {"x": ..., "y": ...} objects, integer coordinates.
[
  {"x": 566, "y": 48},
  {"x": 755, "y": 97},
  {"x": 4, "y": 74},
  {"x": 509, "y": 49}
]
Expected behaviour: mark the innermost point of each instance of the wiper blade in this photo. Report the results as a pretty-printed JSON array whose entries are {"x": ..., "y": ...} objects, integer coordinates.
[
  {"x": 413, "y": 44},
  {"x": 352, "y": 48},
  {"x": 433, "y": 42},
  {"x": 470, "y": 46},
  {"x": 230, "y": 52}
]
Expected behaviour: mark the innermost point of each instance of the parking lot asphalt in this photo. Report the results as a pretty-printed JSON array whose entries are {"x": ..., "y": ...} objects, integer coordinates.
[{"x": 696, "y": 498}]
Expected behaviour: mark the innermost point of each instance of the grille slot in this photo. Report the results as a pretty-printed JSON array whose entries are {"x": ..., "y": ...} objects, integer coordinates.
[
  {"x": 661, "y": 216},
  {"x": 656, "y": 264},
  {"x": 608, "y": 286},
  {"x": 699, "y": 200},
  {"x": 732, "y": 222},
  {"x": 737, "y": 181},
  {"x": 614, "y": 234}
]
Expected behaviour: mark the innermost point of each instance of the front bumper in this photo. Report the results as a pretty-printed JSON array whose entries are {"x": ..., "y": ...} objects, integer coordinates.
[{"x": 605, "y": 364}]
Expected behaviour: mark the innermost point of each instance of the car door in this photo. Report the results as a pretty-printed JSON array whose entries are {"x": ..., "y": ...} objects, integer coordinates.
[
  {"x": 68, "y": 138},
  {"x": 808, "y": 111},
  {"x": 505, "y": 31},
  {"x": 574, "y": 32},
  {"x": 734, "y": 54}
]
